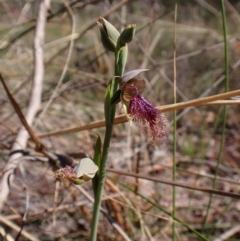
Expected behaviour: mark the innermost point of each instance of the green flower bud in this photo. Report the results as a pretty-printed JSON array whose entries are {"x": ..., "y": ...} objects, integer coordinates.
[
  {"x": 127, "y": 35},
  {"x": 109, "y": 34}
]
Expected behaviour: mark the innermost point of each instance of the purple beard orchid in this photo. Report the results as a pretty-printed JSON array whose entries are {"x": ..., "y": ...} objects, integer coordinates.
[{"x": 149, "y": 119}]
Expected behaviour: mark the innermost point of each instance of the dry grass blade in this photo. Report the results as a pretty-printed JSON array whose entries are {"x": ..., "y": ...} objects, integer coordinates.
[{"x": 123, "y": 118}]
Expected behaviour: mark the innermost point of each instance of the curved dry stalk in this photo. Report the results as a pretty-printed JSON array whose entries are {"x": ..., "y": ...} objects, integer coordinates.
[
  {"x": 34, "y": 103},
  {"x": 211, "y": 100}
]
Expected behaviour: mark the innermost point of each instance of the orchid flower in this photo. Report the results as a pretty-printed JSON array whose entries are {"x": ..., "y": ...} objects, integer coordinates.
[
  {"x": 82, "y": 172},
  {"x": 148, "y": 118}
]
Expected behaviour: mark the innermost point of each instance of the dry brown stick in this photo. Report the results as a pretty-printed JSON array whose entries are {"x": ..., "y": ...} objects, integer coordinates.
[
  {"x": 123, "y": 118},
  {"x": 34, "y": 103},
  {"x": 175, "y": 183},
  {"x": 20, "y": 114}
]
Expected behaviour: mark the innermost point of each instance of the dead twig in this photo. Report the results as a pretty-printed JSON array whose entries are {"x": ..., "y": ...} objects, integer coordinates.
[{"x": 175, "y": 183}]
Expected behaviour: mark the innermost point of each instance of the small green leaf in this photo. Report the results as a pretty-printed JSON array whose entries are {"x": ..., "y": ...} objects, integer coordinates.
[
  {"x": 97, "y": 160},
  {"x": 116, "y": 97},
  {"x": 107, "y": 103},
  {"x": 97, "y": 152},
  {"x": 123, "y": 55}
]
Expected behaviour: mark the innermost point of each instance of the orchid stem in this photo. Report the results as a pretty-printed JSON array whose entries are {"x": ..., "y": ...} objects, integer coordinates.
[{"x": 106, "y": 144}]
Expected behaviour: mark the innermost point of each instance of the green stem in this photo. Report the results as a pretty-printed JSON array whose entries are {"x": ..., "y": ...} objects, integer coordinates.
[
  {"x": 174, "y": 129},
  {"x": 226, "y": 62},
  {"x": 102, "y": 169},
  {"x": 101, "y": 180}
]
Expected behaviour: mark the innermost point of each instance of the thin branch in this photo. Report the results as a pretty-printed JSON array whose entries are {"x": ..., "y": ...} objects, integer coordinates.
[
  {"x": 177, "y": 184},
  {"x": 174, "y": 124}
]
